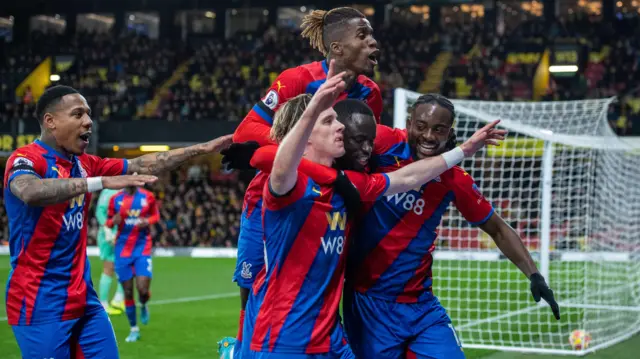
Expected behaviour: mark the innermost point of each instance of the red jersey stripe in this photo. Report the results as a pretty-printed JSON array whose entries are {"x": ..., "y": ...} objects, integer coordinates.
[
  {"x": 393, "y": 244},
  {"x": 130, "y": 244},
  {"x": 32, "y": 264},
  {"x": 323, "y": 338},
  {"x": 415, "y": 286},
  {"x": 77, "y": 286},
  {"x": 301, "y": 256}
]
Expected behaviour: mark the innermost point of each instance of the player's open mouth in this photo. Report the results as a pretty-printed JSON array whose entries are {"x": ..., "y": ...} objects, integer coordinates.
[
  {"x": 427, "y": 148},
  {"x": 373, "y": 57},
  {"x": 363, "y": 160},
  {"x": 85, "y": 137}
]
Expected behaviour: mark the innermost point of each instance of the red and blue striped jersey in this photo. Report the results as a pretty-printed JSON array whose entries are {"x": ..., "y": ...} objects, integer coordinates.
[
  {"x": 392, "y": 252},
  {"x": 133, "y": 240},
  {"x": 253, "y": 194},
  {"x": 50, "y": 279},
  {"x": 299, "y": 291},
  {"x": 263, "y": 158},
  {"x": 292, "y": 82}
]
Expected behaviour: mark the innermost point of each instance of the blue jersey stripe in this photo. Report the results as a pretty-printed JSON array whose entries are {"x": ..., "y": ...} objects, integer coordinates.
[
  {"x": 312, "y": 87},
  {"x": 398, "y": 152},
  {"x": 265, "y": 116},
  {"x": 385, "y": 216},
  {"x": 282, "y": 237},
  {"x": 359, "y": 91},
  {"x": 394, "y": 280},
  {"x": 125, "y": 166}
]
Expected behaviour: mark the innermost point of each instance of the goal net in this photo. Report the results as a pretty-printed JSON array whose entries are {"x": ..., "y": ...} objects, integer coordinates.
[{"x": 571, "y": 189}]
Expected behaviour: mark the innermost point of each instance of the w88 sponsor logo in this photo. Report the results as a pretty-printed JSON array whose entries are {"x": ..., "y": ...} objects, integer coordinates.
[
  {"x": 337, "y": 222},
  {"x": 408, "y": 202}
]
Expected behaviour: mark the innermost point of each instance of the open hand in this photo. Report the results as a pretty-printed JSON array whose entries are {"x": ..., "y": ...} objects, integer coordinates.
[
  {"x": 120, "y": 182},
  {"x": 218, "y": 144},
  {"x": 488, "y": 135}
]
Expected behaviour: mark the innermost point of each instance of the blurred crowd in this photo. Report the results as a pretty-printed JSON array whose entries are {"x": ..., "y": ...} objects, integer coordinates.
[
  {"x": 117, "y": 75},
  {"x": 131, "y": 76},
  {"x": 481, "y": 70}
]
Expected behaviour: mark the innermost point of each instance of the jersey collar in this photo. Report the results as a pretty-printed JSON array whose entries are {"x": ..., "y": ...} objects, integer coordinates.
[
  {"x": 51, "y": 150},
  {"x": 325, "y": 67},
  {"x": 357, "y": 89}
]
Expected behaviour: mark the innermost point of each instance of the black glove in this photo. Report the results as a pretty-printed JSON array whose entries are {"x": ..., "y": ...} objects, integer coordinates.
[
  {"x": 348, "y": 192},
  {"x": 238, "y": 155},
  {"x": 540, "y": 289}
]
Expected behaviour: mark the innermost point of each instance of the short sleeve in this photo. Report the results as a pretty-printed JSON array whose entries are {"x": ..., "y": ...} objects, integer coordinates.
[
  {"x": 275, "y": 202},
  {"x": 468, "y": 199},
  {"x": 107, "y": 166},
  {"x": 24, "y": 162},
  {"x": 391, "y": 150},
  {"x": 256, "y": 126},
  {"x": 371, "y": 187}
]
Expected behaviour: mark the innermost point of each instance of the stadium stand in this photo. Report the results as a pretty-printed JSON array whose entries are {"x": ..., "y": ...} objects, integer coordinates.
[{"x": 220, "y": 79}]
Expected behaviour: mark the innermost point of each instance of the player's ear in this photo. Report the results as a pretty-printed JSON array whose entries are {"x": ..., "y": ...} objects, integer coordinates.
[
  {"x": 336, "y": 48},
  {"x": 48, "y": 121}
]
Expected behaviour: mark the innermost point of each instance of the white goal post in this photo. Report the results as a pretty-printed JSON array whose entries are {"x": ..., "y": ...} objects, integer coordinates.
[{"x": 571, "y": 188}]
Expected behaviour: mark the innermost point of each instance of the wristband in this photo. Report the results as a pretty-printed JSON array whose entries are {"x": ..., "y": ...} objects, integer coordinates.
[
  {"x": 453, "y": 157},
  {"x": 94, "y": 184}
]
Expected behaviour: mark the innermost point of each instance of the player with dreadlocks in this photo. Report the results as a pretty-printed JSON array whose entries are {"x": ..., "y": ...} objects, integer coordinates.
[
  {"x": 342, "y": 34},
  {"x": 390, "y": 310}
]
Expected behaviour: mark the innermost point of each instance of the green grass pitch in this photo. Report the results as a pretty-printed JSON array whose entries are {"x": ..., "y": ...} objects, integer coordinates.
[{"x": 194, "y": 304}]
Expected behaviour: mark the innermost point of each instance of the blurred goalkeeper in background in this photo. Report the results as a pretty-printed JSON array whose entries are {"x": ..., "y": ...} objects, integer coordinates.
[{"x": 106, "y": 241}]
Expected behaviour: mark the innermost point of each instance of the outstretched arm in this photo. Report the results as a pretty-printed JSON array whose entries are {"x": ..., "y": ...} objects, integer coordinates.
[
  {"x": 420, "y": 172},
  {"x": 155, "y": 163},
  {"x": 285, "y": 166},
  {"x": 510, "y": 243},
  {"x": 38, "y": 192}
]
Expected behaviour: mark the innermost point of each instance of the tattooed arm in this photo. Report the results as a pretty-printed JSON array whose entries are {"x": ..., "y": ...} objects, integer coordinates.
[
  {"x": 155, "y": 163},
  {"x": 38, "y": 192}
]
